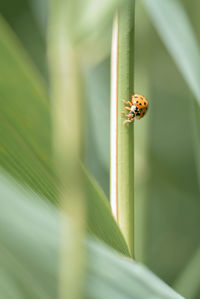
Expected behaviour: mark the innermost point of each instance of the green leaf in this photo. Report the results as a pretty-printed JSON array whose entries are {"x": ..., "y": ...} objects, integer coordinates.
[
  {"x": 25, "y": 143},
  {"x": 174, "y": 28},
  {"x": 188, "y": 282},
  {"x": 123, "y": 278},
  {"x": 100, "y": 219},
  {"x": 89, "y": 26},
  {"x": 27, "y": 224},
  {"x": 29, "y": 247}
]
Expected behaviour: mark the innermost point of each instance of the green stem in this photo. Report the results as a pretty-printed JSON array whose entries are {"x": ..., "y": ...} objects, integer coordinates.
[
  {"x": 66, "y": 93},
  {"x": 122, "y": 170}
]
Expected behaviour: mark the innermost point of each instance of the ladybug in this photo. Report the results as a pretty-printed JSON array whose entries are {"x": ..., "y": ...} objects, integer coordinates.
[{"x": 137, "y": 108}]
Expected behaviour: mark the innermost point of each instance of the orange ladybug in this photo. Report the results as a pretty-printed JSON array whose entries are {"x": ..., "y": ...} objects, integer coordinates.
[{"x": 137, "y": 108}]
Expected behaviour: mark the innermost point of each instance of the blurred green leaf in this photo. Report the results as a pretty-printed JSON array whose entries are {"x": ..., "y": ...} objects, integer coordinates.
[
  {"x": 179, "y": 38},
  {"x": 174, "y": 28},
  {"x": 30, "y": 238},
  {"x": 99, "y": 212},
  {"x": 25, "y": 143},
  {"x": 188, "y": 282},
  {"x": 167, "y": 195},
  {"x": 40, "y": 9},
  {"x": 89, "y": 25},
  {"x": 23, "y": 22},
  {"x": 27, "y": 223},
  {"x": 97, "y": 152}
]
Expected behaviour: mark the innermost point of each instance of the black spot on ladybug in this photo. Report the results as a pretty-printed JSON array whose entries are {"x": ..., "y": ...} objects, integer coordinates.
[
  {"x": 140, "y": 104},
  {"x": 136, "y": 101},
  {"x": 145, "y": 103}
]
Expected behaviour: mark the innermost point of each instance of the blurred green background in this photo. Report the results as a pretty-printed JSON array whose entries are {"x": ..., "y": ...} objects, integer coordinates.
[{"x": 167, "y": 197}]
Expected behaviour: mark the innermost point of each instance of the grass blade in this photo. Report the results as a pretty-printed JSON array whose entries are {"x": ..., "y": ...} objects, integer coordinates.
[
  {"x": 30, "y": 238},
  {"x": 26, "y": 137},
  {"x": 188, "y": 282},
  {"x": 179, "y": 38},
  {"x": 122, "y": 180},
  {"x": 99, "y": 211}
]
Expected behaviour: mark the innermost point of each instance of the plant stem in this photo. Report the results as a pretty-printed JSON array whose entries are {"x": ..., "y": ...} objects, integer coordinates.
[
  {"x": 122, "y": 150},
  {"x": 66, "y": 93}
]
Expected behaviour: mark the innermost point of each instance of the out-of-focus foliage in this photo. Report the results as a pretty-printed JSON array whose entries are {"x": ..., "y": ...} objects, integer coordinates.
[
  {"x": 179, "y": 38},
  {"x": 171, "y": 199},
  {"x": 99, "y": 217},
  {"x": 98, "y": 112},
  {"x": 167, "y": 187},
  {"x": 188, "y": 282},
  {"x": 23, "y": 21},
  {"x": 25, "y": 141},
  {"x": 29, "y": 254},
  {"x": 25, "y": 118}
]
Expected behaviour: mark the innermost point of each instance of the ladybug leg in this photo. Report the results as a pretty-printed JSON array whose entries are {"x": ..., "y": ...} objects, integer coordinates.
[
  {"x": 127, "y": 103},
  {"x": 129, "y": 115},
  {"x": 126, "y": 108},
  {"x": 128, "y": 121}
]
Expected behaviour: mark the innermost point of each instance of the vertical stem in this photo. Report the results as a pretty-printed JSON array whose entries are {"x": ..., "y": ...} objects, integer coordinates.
[
  {"x": 114, "y": 122},
  {"x": 122, "y": 150},
  {"x": 65, "y": 75}
]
